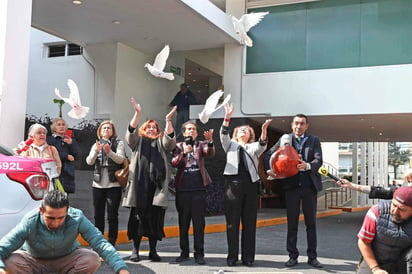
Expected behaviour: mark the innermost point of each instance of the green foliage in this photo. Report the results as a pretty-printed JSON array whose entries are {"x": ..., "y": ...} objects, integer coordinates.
[
  {"x": 60, "y": 103},
  {"x": 396, "y": 156}
]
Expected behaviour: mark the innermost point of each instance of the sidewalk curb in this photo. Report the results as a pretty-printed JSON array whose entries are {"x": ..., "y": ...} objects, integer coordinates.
[{"x": 173, "y": 231}]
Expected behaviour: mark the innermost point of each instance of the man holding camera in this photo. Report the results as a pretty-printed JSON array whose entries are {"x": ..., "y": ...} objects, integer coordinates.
[{"x": 191, "y": 181}]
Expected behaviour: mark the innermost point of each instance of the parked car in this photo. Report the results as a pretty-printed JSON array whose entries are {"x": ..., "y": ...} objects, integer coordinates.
[{"x": 23, "y": 183}]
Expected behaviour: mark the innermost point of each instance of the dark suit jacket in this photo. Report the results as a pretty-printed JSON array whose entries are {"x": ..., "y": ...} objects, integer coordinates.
[{"x": 311, "y": 153}]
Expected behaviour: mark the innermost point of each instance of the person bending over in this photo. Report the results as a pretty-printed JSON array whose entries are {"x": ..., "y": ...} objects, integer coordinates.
[{"x": 45, "y": 241}]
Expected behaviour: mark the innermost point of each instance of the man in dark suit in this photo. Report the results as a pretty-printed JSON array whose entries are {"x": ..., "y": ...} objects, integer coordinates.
[{"x": 301, "y": 189}]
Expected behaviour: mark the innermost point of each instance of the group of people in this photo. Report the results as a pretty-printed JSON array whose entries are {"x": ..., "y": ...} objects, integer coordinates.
[
  {"x": 48, "y": 235},
  {"x": 146, "y": 193}
]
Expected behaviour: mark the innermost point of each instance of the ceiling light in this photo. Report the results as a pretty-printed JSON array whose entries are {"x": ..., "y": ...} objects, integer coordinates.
[
  {"x": 116, "y": 22},
  {"x": 77, "y": 2}
]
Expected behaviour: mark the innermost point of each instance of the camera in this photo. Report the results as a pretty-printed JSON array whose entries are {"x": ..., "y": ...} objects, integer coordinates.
[{"x": 104, "y": 141}]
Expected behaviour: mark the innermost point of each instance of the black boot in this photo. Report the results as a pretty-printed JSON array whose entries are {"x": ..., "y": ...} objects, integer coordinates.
[
  {"x": 153, "y": 256},
  {"x": 135, "y": 252}
]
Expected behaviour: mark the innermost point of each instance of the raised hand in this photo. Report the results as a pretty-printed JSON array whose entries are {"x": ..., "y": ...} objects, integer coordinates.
[
  {"x": 229, "y": 110},
  {"x": 208, "y": 135},
  {"x": 171, "y": 113},
  {"x": 266, "y": 124},
  {"x": 135, "y": 105},
  {"x": 169, "y": 127}
]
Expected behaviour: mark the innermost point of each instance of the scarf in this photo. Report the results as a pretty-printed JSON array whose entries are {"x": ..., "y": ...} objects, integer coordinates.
[{"x": 152, "y": 170}]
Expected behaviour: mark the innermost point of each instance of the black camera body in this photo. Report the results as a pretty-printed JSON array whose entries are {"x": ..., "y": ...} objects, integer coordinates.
[{"x": 104, "y": 141}]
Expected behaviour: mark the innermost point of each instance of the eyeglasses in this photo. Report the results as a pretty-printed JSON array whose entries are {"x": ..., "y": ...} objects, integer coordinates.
[{"x": 243, "y": 129}]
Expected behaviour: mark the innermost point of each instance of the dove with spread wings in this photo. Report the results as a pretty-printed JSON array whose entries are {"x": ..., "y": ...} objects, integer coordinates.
[
  {"x": 211, "y": 105},
  {"x": 159, "y": 65},
  {"x": 78, "y": 111},
  {"x": 244, "y": 24}
]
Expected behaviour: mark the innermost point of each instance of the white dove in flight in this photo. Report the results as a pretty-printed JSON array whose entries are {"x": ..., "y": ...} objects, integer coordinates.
[
  {"x": 78, "y": 111},
  {"x": 159, "y": 65},
  {"x": 211, "y": 105},
  {"x": 245, "y": 23}
]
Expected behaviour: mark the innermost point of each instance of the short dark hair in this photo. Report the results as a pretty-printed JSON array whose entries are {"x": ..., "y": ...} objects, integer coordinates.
[
  {"x": 55, "y": 199},
  {"x": 187, "y": 123},
  {"x": 300, "y": 115}
]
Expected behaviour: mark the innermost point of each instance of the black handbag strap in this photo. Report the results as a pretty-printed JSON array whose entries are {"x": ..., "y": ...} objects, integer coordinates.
[{"x": 253, "y": 162}]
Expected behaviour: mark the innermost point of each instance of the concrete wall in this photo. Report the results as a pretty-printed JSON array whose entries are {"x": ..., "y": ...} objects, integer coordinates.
[
  {"x": 14, "y": 52},
  {"x": 46, "y": 74},
  {"x": 365, "y": 90},
  {"x": 133, "y": 80}
]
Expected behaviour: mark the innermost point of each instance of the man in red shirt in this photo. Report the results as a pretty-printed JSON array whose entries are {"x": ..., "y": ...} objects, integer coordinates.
[{"x": 385, "y": 239}]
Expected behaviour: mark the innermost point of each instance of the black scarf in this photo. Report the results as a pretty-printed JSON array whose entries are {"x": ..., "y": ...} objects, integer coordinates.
[{"x": 152, "y": 170}]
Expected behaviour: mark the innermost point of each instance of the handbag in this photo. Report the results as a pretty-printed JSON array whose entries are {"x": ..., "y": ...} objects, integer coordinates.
[{"x": 122, "y": 174}]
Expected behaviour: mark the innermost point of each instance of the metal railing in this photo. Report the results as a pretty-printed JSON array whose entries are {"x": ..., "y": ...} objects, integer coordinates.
[{"x": 335, "y": 196}]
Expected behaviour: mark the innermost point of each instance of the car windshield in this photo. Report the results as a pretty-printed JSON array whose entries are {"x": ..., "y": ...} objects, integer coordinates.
[{"x": 6, "y": 151}]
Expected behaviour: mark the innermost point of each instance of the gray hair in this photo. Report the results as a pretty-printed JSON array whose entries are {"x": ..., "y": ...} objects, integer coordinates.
[{"x": 33, "y": 128}]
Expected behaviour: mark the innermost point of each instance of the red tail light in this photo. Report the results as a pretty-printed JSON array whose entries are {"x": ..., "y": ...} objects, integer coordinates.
[{"x": 36, "y": 183}]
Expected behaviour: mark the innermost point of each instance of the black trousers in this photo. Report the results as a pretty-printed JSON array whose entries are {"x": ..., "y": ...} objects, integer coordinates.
[
  {"x": 191, "y": 206},
  {"x": 241, "y": 206},
  {"x": 107, "y": 198},
  {"x": 307, "y": 198}
]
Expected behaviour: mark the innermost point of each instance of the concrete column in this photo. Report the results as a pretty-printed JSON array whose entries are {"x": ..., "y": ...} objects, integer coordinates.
[
  {"x": 385, "y": 161},
  {"x": 15, "y": 25},
  {"x": 362, "y": 198},
  {"x": 376, "y": 176},
  {"x": 355, "y": 195},
  {"x": 234, "y": 60}
]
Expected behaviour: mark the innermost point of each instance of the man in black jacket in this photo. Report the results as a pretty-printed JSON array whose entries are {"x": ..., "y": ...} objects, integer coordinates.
[{"x": 301, "y": 189}]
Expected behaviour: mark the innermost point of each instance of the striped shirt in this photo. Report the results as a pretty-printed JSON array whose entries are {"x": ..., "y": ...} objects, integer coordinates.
[{"x": 368, "y": 230}]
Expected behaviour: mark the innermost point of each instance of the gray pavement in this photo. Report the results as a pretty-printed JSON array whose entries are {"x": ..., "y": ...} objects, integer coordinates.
[{"x": 337, "y": 243}]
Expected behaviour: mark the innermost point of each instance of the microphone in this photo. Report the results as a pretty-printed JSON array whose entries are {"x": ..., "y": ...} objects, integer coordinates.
[
  {"x": 323, "y": 171},
  {"x": 189, "y": 140}
]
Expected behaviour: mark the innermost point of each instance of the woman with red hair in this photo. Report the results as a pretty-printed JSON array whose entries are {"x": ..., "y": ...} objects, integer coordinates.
[{"x": 147, "y": 188}]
